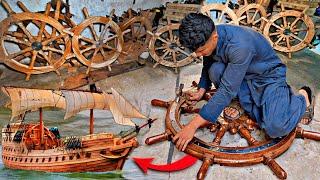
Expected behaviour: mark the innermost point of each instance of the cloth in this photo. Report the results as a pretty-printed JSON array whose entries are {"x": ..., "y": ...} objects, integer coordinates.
[{"x": 245, "y": 65}]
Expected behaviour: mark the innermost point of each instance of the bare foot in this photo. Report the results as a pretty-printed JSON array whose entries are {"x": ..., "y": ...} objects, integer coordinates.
[{"x": 305, "y": 94}]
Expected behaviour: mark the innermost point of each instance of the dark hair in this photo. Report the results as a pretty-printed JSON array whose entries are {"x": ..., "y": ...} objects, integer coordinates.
[{"x": 195, "y": 30}]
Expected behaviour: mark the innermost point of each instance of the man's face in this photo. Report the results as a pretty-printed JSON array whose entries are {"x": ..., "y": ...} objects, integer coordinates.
[{"x": 209, "y": 46}]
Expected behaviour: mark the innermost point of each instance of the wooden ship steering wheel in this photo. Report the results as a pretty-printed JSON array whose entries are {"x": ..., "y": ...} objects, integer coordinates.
[{"x": 254, "y": 151}]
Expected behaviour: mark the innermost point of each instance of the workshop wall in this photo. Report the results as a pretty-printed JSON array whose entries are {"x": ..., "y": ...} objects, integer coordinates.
[{"x": 95, "y": 7}]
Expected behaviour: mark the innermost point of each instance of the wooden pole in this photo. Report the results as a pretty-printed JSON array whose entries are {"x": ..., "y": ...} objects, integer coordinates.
[
  {"x": 91, "y": 121},
  {"x": 41, "y": 126}
]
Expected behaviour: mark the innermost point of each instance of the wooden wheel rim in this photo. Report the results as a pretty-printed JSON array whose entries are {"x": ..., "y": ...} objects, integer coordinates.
[
  {"x": 229, "y": 156},
  {"x": 142, "y": 44},
  {"x": 26, "y": 16},
  {"x": 206, "y": 9},
  {"x": 310, "y": 31},
  {"x": 257, "y": 24},
  {"x": 144, "y": 21},
  {"x": 160, "y": 60},
  {"x": 77, "y": 36}
]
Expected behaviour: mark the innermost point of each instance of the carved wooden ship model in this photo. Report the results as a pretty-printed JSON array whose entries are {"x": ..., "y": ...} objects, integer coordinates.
[{"x": 29, "y": 146}]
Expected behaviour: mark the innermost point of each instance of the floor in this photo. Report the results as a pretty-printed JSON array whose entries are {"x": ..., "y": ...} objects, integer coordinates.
[{"x": 301, "y": 161}]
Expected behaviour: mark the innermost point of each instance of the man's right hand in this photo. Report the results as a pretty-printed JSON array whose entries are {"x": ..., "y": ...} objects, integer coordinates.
[{"x": 196, "y": 96}]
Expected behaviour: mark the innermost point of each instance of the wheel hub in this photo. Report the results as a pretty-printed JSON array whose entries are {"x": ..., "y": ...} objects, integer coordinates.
[
  {"x": 173, "y": 46},
  {"x": 287, "y": 32},
  {"x": 36, "y": 46}
]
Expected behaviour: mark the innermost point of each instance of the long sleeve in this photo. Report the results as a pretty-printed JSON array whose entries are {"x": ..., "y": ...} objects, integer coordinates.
[
  {"x": 205, "y": 81},
  {"x": 239, "y": 59}
]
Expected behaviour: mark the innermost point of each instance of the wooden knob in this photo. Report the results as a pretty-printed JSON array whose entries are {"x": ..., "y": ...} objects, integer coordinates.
[
  {"x": 275, "y": 167},
  {"x": 308, "y": 134},
  {"x": 85, "y": 12},
  {"x": 157, "y": 138},
  {"x": 160, "y": 103},
  {"x": 7, "y": 7},
  {"x": 204, "y": 168}
]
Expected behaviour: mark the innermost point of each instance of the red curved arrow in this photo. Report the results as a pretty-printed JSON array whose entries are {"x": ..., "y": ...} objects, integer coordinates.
[{"x": 145, "y": 164}]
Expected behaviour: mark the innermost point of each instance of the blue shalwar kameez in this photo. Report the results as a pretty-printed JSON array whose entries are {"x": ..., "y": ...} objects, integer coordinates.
[{"x": 244, "y": 65}]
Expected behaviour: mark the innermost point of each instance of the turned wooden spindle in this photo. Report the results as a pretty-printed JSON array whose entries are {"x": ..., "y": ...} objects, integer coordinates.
[
  {"x": 307, "y": 134},
  {"x": 7, "y": 7},
  {"x": 204, "y": 167},
  {"x": 157, "y": 138},
  {"x": 220, "y": 133},
  {"x": 160, "y": 103},
  {"x": 275, "y": 167},
  {"x": 245, "y": 133}
]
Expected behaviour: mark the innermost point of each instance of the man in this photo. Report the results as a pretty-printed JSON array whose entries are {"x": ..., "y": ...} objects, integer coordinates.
[{"x": 240, "y": 63}]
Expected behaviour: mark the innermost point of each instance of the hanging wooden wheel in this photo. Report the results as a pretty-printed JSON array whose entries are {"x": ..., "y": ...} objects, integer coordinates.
[
  {"x": 253, "y": 147},
  {"x": 136, "y": 41},
  {"x": 289, "y": 31},
  {"x": 50, "y": 51},
  {"x": 97, "y": 42},
  {"x": 220, "y": 13},
  {"x": 166, "y": 49},
  {"x": 254, "y": 14}
]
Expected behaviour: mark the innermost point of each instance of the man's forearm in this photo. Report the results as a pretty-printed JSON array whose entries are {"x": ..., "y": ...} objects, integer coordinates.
[{"x": 198, "y": 122}]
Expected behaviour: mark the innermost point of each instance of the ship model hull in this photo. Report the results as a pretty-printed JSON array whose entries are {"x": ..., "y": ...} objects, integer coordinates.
[{"x": 92, "y": 153}]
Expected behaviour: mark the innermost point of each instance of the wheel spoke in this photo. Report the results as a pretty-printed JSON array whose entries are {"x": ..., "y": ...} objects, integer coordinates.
[
  {"x": 288, "y": 43},
  {"x": 110, "y": 38},
  {"x": 174, "y": 57},
  {"x": 28, "y": 49},
  {"x": 298, "y": 30},
  {"x": 94, "y": 54},
  {"x": 277, "y": 42},
  {"x": 255, "y": 22},
  {"x": 109, "y": 47},
  {"x": 104, "y": 31},
  {"x": 88, "y": 48},
  {"x": 164, "y": 55},
  {"x": 45, "y": 57},
  {"x": 296, "y": 37},
  {"x": 46, "y": 42},
  {"x": 277, "y": 26},
  {"x": 94, "y": 33},
  {"x": 163, "y": 40},
  {"x": 220, "y": 17},
  {"x": 26, "y": 32},
  {"x": 160, "y": 48},
  {"x": 33, "y": 59},
  {"x": 12, "y": 39},
  {"x": 295, "y": 22},
  {"x": 254, "y": 15},
  {"x": 46, "y": 48},
  {"x": 275, "y": 33},
  {"x": 285, "y": 23},
  {"x": 103, "y": 53},
  {"x": 16, "y": 34},
  {"x": 170, "y": 35}
]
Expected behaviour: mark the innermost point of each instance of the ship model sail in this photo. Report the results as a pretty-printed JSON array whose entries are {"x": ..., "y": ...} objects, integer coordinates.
[{"x": 35, "y": 147}]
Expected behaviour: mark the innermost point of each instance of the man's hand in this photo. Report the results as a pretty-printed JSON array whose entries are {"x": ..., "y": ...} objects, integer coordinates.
[
  {"x": 183, "y": 137},
  {"x": 194, "y": 97}
]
